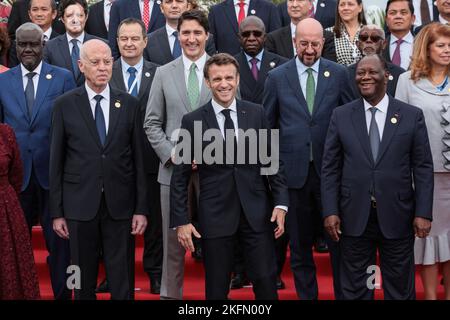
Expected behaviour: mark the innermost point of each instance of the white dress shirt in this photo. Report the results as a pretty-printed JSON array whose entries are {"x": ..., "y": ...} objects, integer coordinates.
[
  {"x": 293, "y": 28},
  {"x": 259, "y": 56},
  {"x": 416, "y": 4},
  {"x": 35, "y": 77},
  {"x": 104, "y": 103},
  {"x": 237, "y": 7},
  {"x": 303, "y": 74},
  {"x": 200, "y": 63},
  {"x": 405, "y": 49},
  {"x": 80, "y": 41},
  {"x": 126, "y": 74},
  {"x": 47, "y": 34},
  {"x": 443, "y": 21},
  {"x": 107, "y": 11},
  {"x": 141, "y": 7},
  {"x": 170, "y": 36},
  {"x": 380, "y": 115}
]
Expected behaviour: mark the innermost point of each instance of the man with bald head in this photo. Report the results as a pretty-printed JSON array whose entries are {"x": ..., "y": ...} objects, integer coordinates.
[
  {"x": 299, "y": 97},
  {"x": 371, "y": 40},
  {"x": 97, "y": 182}
]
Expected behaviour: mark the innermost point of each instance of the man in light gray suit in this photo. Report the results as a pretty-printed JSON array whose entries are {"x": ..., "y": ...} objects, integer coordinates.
[{"x": 178, "y": 88}]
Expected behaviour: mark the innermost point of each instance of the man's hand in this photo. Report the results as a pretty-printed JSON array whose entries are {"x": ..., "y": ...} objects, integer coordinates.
[
  {"x": 194, "y": 165},
  {"x": 139, "y": 224},
  {"x": 333, "y": 226},
  {"x": 422, "y": 227},
  {"x": 60, "y": 227},
  {"x": 184, "y": 234},
  {"x": 279, "y": 216}
]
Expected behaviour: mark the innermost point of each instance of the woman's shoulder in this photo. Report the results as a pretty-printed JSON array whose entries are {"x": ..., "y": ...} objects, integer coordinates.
[{"x": 6, "y": 131}]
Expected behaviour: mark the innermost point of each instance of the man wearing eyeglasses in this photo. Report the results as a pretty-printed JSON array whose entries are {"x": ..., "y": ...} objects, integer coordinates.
[
  {"x": 299, "y": 97},
  {"x": 371, "y": 41},
  {"x": 97, "y": 180}
]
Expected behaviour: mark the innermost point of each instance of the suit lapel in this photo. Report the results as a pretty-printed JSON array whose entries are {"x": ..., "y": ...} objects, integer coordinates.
[
  {"x": 154, "y": 15},
  {"x": 246, "y": 74},
  {"x": 82, "y": 101},
  {"x": 114, "y": 114},
  {"x": 322, "y": 84},
  {"x": 286, "y": 40},
  {"x": 319, "y": 9},
  {"x": 180, "y": 83},
  {"x": 294, "y": 83},
  {"x": 64, "y": 52},
  {"x": 255, "y": 6},
  {"x": 145, "y": 80},
  {"x": 117, "y": 76},
  {"x": 210, "y": 117},
  {"x": 360, "y": 126},
  {"x": 389, "y": 128},
  {"x": 165, "y": 46},
  {"x": 135, "y": 10},
  {"x": 42, "y": 89},
  {"x": 101, "y": 17},
  {"x": 242, "y": 116},
  {"x": 230, "y": 13},
  {"x": 19, "y": 90}
]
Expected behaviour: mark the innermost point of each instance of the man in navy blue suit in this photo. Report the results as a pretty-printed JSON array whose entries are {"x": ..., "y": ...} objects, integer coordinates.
[
  {"x": 224, "y": 19},
  {"x": 299, "y": 97},
  {"x": 27, "y": 93},
  {"x": 376, "y": 148},
  {"x": 146, "y": 10}
]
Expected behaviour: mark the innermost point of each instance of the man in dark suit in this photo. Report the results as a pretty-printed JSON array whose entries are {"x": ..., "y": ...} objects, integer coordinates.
[
  {"x": 399, "y": 43},
  {"x": 230, "y": 13},
  {"x": 299, "y": 97},
  {"x": 426, "y": 12},
  {"x": 27, "y": 94},
  {"x": 163, "y": 45},
  {"x": 371, "y": 161},
  {"x": 133, "y": 74},
  {"x": 281, "y": 41},
  {"x": 146, "y": 10},
  {"x": 371, "y": 41},
  {"x": 323, "y": 11},
  {"x": 97, "y": 22},
  {"x": 20, "y": 14},
  {"x": 64, "y": 50},
  {"x": 97, "y": 179},
  {"x": 42, "y": 13},
  {"x": 234, "y": 196}
]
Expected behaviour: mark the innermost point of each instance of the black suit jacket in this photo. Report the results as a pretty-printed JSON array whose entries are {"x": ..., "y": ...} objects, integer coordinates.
[
  {"x": 250, "y": 89},
  {"x": 57, "y": 53},
  {"x": 394, "y": 70},
  {"x": 81, "y": 168},
  {"x": 158, "y": 48},
  {"x": 151, "y": 160},
  {"x": 349, "y": 173},
  {"x": 325, "y": 13},
  {"x": 225, "y": 189},
  {"x": 95, "y": 23},
  {"x": 223, "y": 22},
  {"x": 280, "y": 42}
]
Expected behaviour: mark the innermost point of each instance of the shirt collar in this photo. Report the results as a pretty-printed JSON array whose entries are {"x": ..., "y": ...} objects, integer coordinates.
[
  {"x": 381, "y": 106},
  {"x": 108, "y": 2},
  {"x": 48, "y": 33},
  {"x": 170, "y": 30},
  {"x": 138, "y": 66},
  {"x": 218, "y": 108},
  {"x": 91, "y": 93},
  {"x": 442, "y": 20},
  {"x": 408, "y": 38},
  {"x": 80, "y": 38},
  {"x": 302, "y": 68},
  {"x": 259, "y": 56},
  {"x": 37, "y": 69},
  {"x": 200, "y": 63},
  {"x": 293, "y": 28},
  {"x": 236, "y": 2}
]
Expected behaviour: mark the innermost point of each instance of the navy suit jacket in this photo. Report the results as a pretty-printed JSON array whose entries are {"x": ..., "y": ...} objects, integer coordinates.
[
  {"x": 57, "y": 52},
  {"x": 224, "y": 26},
  {"x": 251, "y": 89},
  {"x": 122, "y": 9},
  {"x": 349, "y": 173},
  {"x": 33, "y": 133},
  {"x": 325, "y": 13},
  {"x": 95, "y": 23},
  {"x": 287, "y": 110}
]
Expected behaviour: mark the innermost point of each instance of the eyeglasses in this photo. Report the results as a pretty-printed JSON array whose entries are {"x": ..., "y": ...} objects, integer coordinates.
[
  {"x": 373, "y": 37},
  {"x": 256, "y": 33}
]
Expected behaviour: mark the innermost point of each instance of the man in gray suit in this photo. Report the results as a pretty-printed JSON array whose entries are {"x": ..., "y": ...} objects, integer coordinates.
[{"x": 177, "y": 89}]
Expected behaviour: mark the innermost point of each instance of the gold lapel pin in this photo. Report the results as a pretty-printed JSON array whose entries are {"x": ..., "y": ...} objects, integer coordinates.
[
  {"x": 117, "y": 104},
  {"x": 326, "y": 74},
  {"x": 272, "y": 64},
  {"x": 48, "y": 76}
]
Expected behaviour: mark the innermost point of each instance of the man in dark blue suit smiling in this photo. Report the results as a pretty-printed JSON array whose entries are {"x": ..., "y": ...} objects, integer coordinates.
[{"x": 27, "y": 93}]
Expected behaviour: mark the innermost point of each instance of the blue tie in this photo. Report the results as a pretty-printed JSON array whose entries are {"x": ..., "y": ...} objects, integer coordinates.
[
  {"x": 75, "y": 56},
  {"x": 29, "y": 92},
  {"x": 100, "y": 120},
  {"x": 132, "y": 71},
  {"x": 176, "y": 46}
]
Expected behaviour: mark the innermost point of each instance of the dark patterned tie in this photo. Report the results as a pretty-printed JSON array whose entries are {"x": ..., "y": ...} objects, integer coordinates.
[
  {"x": 254, "y": 62},
  {"x": 229, "y": 127},
  {"x": 100, "y": 120},
  {"x": 374, "y": 135},
  {"x": 176, "y": 52},
  {"x": 75, "y": 55},
  {"x": 29, "y": 92}
]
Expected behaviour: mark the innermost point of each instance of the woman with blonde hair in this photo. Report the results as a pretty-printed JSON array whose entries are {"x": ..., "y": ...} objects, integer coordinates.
[{"x": 427, "y": 86}]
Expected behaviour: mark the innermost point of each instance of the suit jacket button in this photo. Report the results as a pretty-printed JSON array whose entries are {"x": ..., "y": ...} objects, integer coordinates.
[{"x": 103, "y": 156}]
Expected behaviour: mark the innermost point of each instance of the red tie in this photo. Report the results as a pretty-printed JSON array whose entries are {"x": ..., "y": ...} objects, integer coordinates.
[
  {"x": 146, "y": 14},
  {"x": 241, "y": 15},
  {"x": 311, "y": 11}
]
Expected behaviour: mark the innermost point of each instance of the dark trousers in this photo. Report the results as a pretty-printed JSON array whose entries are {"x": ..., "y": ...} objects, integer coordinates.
[
  {"x": 34, "y": 201},
  {"x": 396, "y": 264},
  {"x": 304, "y": 209},
  {"x": 153, "y": 246},
  {"x": 114, "y": 238},
  {"x": 259, "y": 257}
]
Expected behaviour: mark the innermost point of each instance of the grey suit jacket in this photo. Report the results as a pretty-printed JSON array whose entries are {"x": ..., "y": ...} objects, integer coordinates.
[{"x": 167, "y": 103}]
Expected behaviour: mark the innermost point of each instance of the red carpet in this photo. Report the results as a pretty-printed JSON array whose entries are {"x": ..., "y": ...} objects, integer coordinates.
[{"x": 194, "y": 277}]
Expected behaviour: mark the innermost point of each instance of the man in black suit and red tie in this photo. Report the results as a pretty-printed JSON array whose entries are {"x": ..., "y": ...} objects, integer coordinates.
[
  {"x": 235, "y": 197},
  {"x": 377, "y": 186},
  {"x": 97, "y": 180}
]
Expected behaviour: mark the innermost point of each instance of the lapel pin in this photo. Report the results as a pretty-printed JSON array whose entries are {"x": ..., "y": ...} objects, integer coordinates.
[
  {"x": 117, "y": 104},
  {"x": 272, "y": 64},
  {"x": 253, "y": 11},
  {"x": 393, "y": 120},
  {"x": 147, "y": 74},
  {"x": 322, "y": 4},
  {"x": 48, "y": 76},
  {"x": 158, "y": 2},
  {"x": 391, "y": 77},
  {"x": 326, "y": 74}
]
